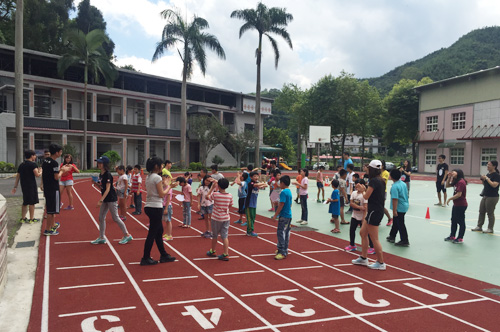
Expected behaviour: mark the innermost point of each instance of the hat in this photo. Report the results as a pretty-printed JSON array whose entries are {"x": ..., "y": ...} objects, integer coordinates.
[
  {"x": 103, "y": 160},
  {"x": 375, "y": 164}
]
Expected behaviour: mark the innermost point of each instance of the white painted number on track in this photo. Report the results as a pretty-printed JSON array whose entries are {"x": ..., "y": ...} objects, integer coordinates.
[
  {"x": 200, "y": 318},
  {"x": 358, "y": 296},
  {"x": 88, "y": 324},
  {"x": 287, "y": 308},
  {"x": 426, "y": 291}
]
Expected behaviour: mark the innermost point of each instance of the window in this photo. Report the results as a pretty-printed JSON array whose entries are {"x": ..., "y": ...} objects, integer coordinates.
[
  {"x": 488, "y": 154},
  {"x": 42, "y": 103},
  {"x": 141, "y": 117},
  {"x": 430, "y": 156},
  {"x": 432, "y": 123},
  {"x": 152, "y": 115},
  {"x": 69, "y": 109},
  {"x": 249, "y": 127},
  {"x": 458, "y": 121},
  {"x": 457, "y": 156}
]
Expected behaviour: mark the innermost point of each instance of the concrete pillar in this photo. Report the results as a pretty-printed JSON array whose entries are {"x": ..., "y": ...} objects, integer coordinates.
[
  {"x": 167, "y": 149},
  {"x": 124, "y": 110},
  {"x": 221, "y": 118},
  {"x": 64, "y": 139},
  {"x": 93, "y": 106},
  {"x": 146, "y": 148},
  {"x": 124, "y": 151},
  {"x": 168, "y": 117},
  {"x": 93, "y": 151},
  {"x": 147, "y": 113},
  {"x": 31, "y": 141},
  {"x": 64, "y": 104},
  {"x": 32, "y": 100}
]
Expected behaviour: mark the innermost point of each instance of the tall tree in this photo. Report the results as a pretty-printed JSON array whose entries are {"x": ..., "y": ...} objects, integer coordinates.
[
  {"x": 266, "y": 21},
  {"x": 87, "y": 50},
  {"x": 192, "y": 41},
  {"x": 240, "y": 142},
  {"x": 208, "y": 131}
]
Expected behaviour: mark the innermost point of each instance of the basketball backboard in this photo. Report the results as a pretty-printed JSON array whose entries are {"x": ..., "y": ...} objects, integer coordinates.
[{"x": 319, "y": 134}]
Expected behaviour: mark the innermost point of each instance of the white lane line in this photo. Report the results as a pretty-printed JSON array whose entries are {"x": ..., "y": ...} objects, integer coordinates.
[
  {"x": 94, "y": 285},
  {"x": 211, "y": 258},
  {"x": 172, "y": 278},
  {"x": 339, "y": 285},
  {"x": 346, "y": 264},
  {"x": 396, "y": 280},
  {"x": 318, "y": 251},
  {"x": 262, "y": 255},
  {"x": 136, "y": 287},
  {"x": 95, "y": 311},
  {"x": 273, "y": 292},
  {"x": 45, "y": 300},
  {"x": 135, "y": 239},
  {"x": 237, "y": 273},
  {"x": 83, "y": 266},
  {"x": 191, "y": 301},
  {"x": 73, "y": 242},
  {"x": 300, "y": 268}
]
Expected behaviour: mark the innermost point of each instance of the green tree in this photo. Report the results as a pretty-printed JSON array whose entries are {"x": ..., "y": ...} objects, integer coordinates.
[
  {"x": 208, "y": 131},
  {"x": 86, "y": 49},
  {"x": 193, "y": 41},
  {"x": 266, "y": 21},
  {"x": 277, "y": 137},
  {"x": 113, "y": 156},
  {"x": 241, "y": 142}
]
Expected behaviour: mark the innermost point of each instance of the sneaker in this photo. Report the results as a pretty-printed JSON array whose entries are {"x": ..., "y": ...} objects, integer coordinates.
[
  {"x": 136, "y": 213},
  {"x": 360, "y": 261},
  {"x": 371, "y": 251},
  {"x": 51, "y": 232},
  {"x": 244, "y": 224},
  {"x": 238, "y": 221},
  {"x": 390, "y": 239},
  {"x": 131, "y": 207},
  {"x": 377, "y": 266},
  {"x": 56, "y": 226},
  {"x": 389, "y": 223},
  {"x": 126, "y": 239},
  {"x": 99, "y": 241},
  {"x": 279, "y": 257},
  {"x": 299, "y": 221},
  {"x": 167, "y": 237},
  {"x": 271, "y": 210},
  {"x": 211, "y": 253},
  {"x": 69, "y": 207},
  {"x": 203, "y": 234},
  {"x": 318, "y": 201},
  {"x": 208, "y": 235},
  {"x": 351, "y": 248},
  {"x": 252, "y": 234},
  {"x": 123, "y": 218},
  {"x": 166, "y": 258},
  {"x": 477, "y": 229},
  {"x": 449, "y": 238},
  {"x": 438, "y": 204},
  {"x": 223, "y": 257},
  {"x": 23, "y": 220},
  {"x": 488, "y": 231},
  {"x": 458, "y": 241},
  {"x": 148, "y": 261},
  {"x": 60, "y": 207},
  {"x": 32, "y": 221},
  {"x": 402, "y": 244},
  {"x": 304, "y": 222}
]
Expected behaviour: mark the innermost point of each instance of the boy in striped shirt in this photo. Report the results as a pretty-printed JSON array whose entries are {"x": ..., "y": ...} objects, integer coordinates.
[{"x": 220, "y": 216}]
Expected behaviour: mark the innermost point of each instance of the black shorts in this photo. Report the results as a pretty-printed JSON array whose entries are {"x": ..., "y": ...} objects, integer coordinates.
[
  {"x": 374, "y": 218},
  {"x": 440, "y": 187},
  {"x": 342, "y": 203},
  {"x": 241, "y": 205},
  {"x": 52, "y": 201},
  {"x": 356, "y": 222},
  {"x": 30, "y": 196}
]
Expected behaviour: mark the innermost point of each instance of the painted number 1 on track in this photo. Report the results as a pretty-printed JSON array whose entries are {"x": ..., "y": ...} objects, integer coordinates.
[{"x": 200, "y": 318}]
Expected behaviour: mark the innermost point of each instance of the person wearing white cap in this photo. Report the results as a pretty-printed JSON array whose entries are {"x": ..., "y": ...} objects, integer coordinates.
[{"x": 375, "y": 196}]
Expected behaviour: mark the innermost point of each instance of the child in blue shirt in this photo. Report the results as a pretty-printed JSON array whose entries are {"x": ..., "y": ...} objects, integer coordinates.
[
  {"x": 399, "y": 207},
  {"x": 242, "y": 195},
  {"x": 334, "y": 208},
  {"x": 284, "y": 212},
  {"x": 251, "y": 202}
]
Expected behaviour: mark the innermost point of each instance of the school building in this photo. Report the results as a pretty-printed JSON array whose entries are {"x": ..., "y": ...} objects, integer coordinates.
[
  {"x": 138, "y": 117},
  {"x": 460, "y": 118}
]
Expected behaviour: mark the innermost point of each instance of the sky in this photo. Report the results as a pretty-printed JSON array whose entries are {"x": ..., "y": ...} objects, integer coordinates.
[{"x": 367, "y": 38}]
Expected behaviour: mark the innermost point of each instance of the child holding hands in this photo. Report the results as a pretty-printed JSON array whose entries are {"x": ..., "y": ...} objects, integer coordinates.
[{"x": 220, "y": 217}]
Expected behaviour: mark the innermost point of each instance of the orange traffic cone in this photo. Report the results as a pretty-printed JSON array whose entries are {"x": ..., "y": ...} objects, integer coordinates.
[{"x": 427, "y": 215}]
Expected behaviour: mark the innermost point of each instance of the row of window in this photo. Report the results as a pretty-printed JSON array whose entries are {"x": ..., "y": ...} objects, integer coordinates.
[
  {"x": 457, "y": 156},
  {"x": 457, "y": 122}
]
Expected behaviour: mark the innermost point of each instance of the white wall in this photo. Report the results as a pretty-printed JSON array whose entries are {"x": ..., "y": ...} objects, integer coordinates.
[{"x": 222, "y": 152}]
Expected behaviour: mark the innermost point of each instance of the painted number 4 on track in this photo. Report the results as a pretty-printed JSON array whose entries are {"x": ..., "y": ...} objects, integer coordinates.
[{"x": 200, "y": 318}]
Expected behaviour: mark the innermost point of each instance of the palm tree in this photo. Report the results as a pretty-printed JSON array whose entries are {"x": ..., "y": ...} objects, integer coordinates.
[
  {"x": 265, "y": 21},
  {"x": 87, "y": 50},
  {"x": 193, "y": 42}
]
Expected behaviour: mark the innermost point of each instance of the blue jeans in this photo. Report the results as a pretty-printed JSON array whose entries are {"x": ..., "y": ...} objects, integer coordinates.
[
  {"x": 186, "y": 213},
  {"x": 303, "y": 204},
  {"x": 283, "y": 234}
]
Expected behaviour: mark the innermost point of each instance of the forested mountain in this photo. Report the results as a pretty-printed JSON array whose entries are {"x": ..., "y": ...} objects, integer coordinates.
[{"x": 479, "y": 49}]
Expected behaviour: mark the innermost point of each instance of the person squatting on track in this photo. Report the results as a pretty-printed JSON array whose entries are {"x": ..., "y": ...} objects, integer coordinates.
[
  {"x": 205, "y": 204},
  {"x": 27, "y": 173},
  {"x": 154, "y": 210},
  {"x": 107, "y": 202},
  {"x": 220, "y": 217},
  {"x": 66, "y": 181},
  {"x": 457, "y": 180},
  {"x": 303, "y": 193},
  {"x": 284, "y": 213},
  {"x": 334, "y": 208},
  {"x": 490, "y": 197},
  {"x": 375, "y": 196},
  {"x": 187, "y": 193},
  {"x": 399, "y": 206}
]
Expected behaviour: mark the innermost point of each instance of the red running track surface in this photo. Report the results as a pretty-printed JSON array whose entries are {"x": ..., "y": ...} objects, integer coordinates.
[{"x": 84, "y": 287}]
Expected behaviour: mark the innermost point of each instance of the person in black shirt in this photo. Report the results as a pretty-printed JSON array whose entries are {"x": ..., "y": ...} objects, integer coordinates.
[
  {"x": 26, "y": 173},
  {"x": 375, "y": 195},
  {"x": 490, "y": 197},
  {"x": 441, "y": 175}
]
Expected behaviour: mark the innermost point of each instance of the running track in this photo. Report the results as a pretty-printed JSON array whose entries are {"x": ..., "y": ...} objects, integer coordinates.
[{"x": 89, "y": 288}]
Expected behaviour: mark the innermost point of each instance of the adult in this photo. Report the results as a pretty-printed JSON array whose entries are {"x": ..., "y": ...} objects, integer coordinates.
[
  {"x": 347, "y": 159},
  {"x": 66, "y": 181},
  {"x": 405, "y": 174},
  {"x": 385, "y": 175},
  {"x": 27, "y": 173},
  {"x": 441, "y": 175},
  {"x": 490, "y": 197}
]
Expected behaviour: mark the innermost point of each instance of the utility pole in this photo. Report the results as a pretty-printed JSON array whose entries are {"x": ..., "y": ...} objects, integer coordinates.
[{"x": 19, "y": 68}]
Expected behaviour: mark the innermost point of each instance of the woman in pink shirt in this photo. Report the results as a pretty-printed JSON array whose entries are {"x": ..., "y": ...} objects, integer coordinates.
[{"x": 66, "y": 180}]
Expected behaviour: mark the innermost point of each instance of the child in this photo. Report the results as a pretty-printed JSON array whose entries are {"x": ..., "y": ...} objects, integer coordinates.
[
  {"x": 284, "y": 212},
  {"x": 303, "y": 195},
  {"x": 206, "y": 204},
  {"x": 136, "y": 180},
  {"x": 242, "y": 195},
  {"x": 201, "y": 176},
  {"x": 327, "y": 181},
  {"x": 187, "y": 192},
  {"x": 385, "y": 176},
  {"x": 320, "y": 184},
  {"x": 297, "y": 180},
  {"x": 457, "y": 180},
  {"x": 349, "y": 184},
  {"x": 129, "y": 172},
  {"x": 154, "y": 210},
  {"x": 276, "y": 192},
  {"x": 121, "y": 191},
  {"x": 251, "y": 202},
  {"x": 66, "y": 181},
  {"x": 108, "y": 202},
  {"x": 167, "y": 207},
  {"x": 215, "y": 173},
  {"x": 399, "y": 206},
  {"x": 375, "y": 196},
  {"x": 337, "y": 175},
  {"x": 189, "y": 178},
  {"x": 343, "y": 194},
  {"x": 334, "y": 208},
  {"x": 270, "y": 183},
  {"x": 405, "y": 174},
  {"x": 358, "y": 204},
  {"x": 221, "y": 220}
]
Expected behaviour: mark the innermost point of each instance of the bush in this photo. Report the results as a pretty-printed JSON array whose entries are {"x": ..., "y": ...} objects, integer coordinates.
[
  {"x": 391, "y": 152},
  {"x": 7, "y": 167},
  {"x": 113, "y": 156},
  {"x": 217, "y": 160},
  {"x": 195, "y": 166}
]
